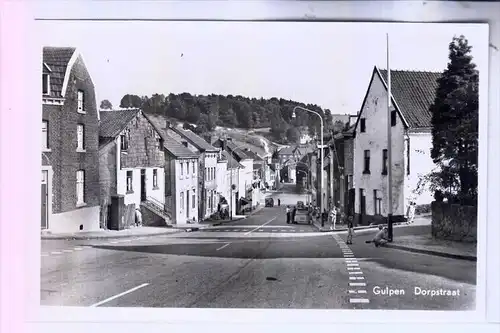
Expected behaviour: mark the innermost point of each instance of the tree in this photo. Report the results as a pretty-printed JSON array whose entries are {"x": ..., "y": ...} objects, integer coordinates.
[
  {"x": 292, "y": 135},
  {"x": 455, "y": 122},
  {"x": 131, "y": 101},
  {"x": 106, "y": 105}
]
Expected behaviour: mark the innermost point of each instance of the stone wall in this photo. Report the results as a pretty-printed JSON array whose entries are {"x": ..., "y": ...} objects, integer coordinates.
[{"x": 454, "y": 222}]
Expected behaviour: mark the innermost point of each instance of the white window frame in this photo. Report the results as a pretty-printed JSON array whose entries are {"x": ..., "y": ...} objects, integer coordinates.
[
  {"x": 80, "y": 101},
  {"x": 124, "y": 141},
  {"x": 181, "y": 201},
  {"x": 45, "y": 135},
  {"x": 46, "y": 77},
  {"x": 80, "y": 187},
  {"x": 129, "y": 184},
  {"x": 193, "y": 205},
  {"x": 182, "y": 169},
  {"x": 155, "y": 178},
  {"x": 80, "y": 137},
  {"x": 194, "y": 168}
]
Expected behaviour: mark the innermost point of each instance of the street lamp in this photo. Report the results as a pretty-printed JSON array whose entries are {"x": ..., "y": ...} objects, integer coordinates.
[{"x": 321, "y": 156}]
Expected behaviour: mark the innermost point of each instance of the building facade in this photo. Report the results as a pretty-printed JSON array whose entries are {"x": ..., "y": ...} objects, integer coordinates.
[
  {"x": 412, "y": 94},
  {"x": 70, "y": 142},
  {"x": 131, "y": 162}
]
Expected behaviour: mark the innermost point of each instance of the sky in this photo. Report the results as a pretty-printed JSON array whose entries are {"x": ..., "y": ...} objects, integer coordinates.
[{"x": 323, "y": 63}]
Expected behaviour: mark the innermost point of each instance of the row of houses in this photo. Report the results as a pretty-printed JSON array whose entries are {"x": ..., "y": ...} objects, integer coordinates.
[
  {"x": 356, "y": 159},
  {"x": 99, "y": 166}
]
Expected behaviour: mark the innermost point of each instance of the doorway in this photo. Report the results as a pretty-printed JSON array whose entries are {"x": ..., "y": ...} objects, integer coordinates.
[
  {"x": 187, "y": 204},
  {"x": 143, "y": 185},
  {"x": 45, "y": 196}
]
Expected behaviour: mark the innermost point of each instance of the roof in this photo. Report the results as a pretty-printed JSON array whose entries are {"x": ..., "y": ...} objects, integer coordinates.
[
  {"x": 414, "y": 93},
  {"x": 232, "y": 163},
  {"x": 196, "y": 140},
  {"x": 253, "y": 155},
  {"x": 286, "y": 151},
  {"x": 57, "y": 59},
  {"x": 236, "y": 150},
  {"x": 113, "y": 122},
  {"x": 175, "y": 148}
]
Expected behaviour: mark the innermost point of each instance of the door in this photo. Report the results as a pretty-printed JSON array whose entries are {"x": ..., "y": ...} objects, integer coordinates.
[
  {"x": 45, "y": 206},
  {"x": 143, "y": 185},
  {"x": 187, "y": 205}
]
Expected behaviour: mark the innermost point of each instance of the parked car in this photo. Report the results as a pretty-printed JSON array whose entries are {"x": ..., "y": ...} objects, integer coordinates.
[
  {"x": 302, "y": 216},
  {"x": 269, "y": 202},
  {"x": 301, "y": 205}
]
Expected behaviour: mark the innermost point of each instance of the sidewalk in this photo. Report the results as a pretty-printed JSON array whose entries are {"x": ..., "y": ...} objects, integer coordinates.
[
  {"x": 343, "y": 227},
  {"x": 425, "y": 244},
  {"x": 108, "y": 234}
]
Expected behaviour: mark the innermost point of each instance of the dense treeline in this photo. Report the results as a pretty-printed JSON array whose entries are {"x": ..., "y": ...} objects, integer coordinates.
[{"x": 206, "y": 112}]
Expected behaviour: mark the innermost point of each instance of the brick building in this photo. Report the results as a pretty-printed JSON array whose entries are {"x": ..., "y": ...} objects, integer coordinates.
[
  {"x": 131, "y": 164},
  {"x": 70, "y": 127}
]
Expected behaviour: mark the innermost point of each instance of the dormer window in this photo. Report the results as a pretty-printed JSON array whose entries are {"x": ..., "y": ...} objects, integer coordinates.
[
  {"x": 81, "y": 99},
  {"x": 46, "y": 84}
]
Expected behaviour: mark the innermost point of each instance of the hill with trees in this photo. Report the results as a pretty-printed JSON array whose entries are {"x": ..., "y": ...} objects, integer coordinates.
[{"x": 208, "y": 111}]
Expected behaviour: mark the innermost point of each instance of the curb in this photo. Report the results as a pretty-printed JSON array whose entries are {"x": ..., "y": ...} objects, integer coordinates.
[
  {"x": 320, "y": 229},
  {"x": 55, "y": 237},
  {"x": 431, "y": 252}
]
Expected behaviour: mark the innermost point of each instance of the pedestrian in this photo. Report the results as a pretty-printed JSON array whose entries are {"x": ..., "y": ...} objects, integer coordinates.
[
  {"x": 333, "y": 218},
  {"x": 288, "y": 214},
  {"x": 279, "y": 202},
  {"x": 350, "y": 229},
  {"x": 138, "y": 217},
  {"x": 380, "y": 238},
  {"x": 294, "y": 211}
]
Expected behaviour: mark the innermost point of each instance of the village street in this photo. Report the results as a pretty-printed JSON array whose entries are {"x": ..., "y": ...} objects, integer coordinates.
[{"x": 256, "y": 262}]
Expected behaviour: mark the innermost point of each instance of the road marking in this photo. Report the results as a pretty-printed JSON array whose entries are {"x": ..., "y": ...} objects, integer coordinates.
[
  {"x": 349, "y": 255},
  {"x": 223, "y": 246},
  {"x": 357, "y": 272},
  {"x": 359, "y": 300},
  {"x": 119, "y": 295},
  {"x": 356, "y": 278},
  {"x": 352, "y": 268},
  {"x": 274, "y": 230},
  {"x": 78, "y": 249},
  {"x": 244, "y": 230},
  {"x": 261, "y": 230},
  {"x": 115, "y": 242},
  {"x": 352, "y": 264},
  {"x": 357, "y": 284},
  {"x": 55, "y": 252},
  {"x": 68, "y": 251},
  {"x": 361, "y": 291},
  {"x": 302, "y": 230},
  {"x": 271, "y": 220}
]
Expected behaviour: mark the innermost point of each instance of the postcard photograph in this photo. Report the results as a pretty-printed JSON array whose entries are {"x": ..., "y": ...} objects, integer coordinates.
[{"x": 260, "y": 165}]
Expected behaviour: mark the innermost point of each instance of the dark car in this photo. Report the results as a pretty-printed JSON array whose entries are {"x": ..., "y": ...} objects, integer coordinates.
[
  {"x": 301, "y": 205},
  {"x": 269, "y": 202}
]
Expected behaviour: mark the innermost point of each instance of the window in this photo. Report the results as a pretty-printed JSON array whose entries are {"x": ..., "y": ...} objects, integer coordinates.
[
  {"x": 367, "y": 162},
  {"x": 81, "y": 99},
  {"x": 45, "y": 134},
  {"x": 124, "y": 138},
  {"x": 377, "y": 203},
  {"x": 80, "y": 136},
  {"x": 393, "y": 118},
  {"x": 193, "y": 200},
  {"x": 182, "y": 169},
  {"x": 187, "y": 168},
  {"x": 155, "y": 178},
  {"x": 129, "y": 182},
  {"x": 80, "y": 187},
  {"x": 194, "y": 168},
  {"x": 209, "y": 199},
  {"x": 384, "y": 162},
  {"x": 182, "y": 201},
  {"x": 363, "y": 125},
  {"x": 45, "y": 84}
]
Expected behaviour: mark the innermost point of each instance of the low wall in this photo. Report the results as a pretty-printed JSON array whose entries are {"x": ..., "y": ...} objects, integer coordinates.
[
  {"x": 454, "y": 222},
  {"x": 86, "y": 218}
]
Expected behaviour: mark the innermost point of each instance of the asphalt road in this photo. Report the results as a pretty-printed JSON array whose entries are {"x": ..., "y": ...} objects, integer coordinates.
[{"x": 258, "y": 262}]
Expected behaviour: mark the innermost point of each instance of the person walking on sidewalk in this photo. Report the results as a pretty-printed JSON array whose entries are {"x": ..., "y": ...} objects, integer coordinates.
[
  {"x": 350, "y": 229},
  {"x": 294, "y": 211},
  {"x": 138, "y": 217},
  {"x": 279, "y": 202},
  {"x": 288, "y": 213}
]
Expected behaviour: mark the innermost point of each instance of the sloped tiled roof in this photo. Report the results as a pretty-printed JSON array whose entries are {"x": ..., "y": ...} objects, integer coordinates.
[
  {"x": 253, "y": 155},
  {"x": 177, "y": 149},
  {"x": 57, "y": 58},
  {"x": 232, "y": 163},
  {"x": 235, "y": 150},
  {"x": 414, "y": 92},
  {"x": 113, "y": 122},
  {"x": 196, "y": 140}
]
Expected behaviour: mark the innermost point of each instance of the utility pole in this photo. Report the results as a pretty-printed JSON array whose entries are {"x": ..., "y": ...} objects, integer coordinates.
[
  {"x": 332, "y": 174},
  {"x": 389, "y": 149}
]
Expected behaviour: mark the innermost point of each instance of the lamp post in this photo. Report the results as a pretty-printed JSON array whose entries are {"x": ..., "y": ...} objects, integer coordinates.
[{"x": 322, "y": 153}]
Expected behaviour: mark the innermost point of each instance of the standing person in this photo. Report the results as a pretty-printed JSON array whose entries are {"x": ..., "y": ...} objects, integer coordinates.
[
  {"x": 350, "y": 229},
  {"x": 138, "y": 217},
  {"x": 288, "y": 215},
  {"x": 293, "y": 213},
  {"x": 333, "y": 217},
  {"x": 279, "y": 202}
]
